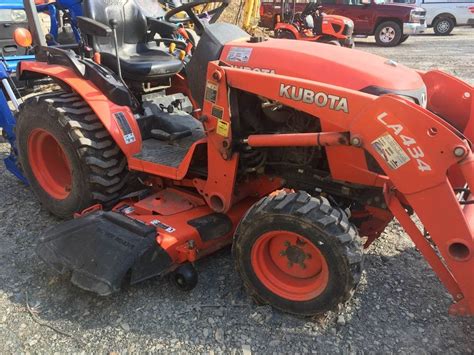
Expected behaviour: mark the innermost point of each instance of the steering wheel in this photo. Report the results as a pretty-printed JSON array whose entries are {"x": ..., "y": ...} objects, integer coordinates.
[{"x": 194, "y": 18}]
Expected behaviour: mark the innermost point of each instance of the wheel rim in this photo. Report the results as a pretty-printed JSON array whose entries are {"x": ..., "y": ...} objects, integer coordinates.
[
  {"x": 443, "y": 26},
  {"x": 387, "y": 34},
  {"x": 49, "y": 164},
  {"x": 289, "y": 265},
  {"x": 180, "y": 281}
]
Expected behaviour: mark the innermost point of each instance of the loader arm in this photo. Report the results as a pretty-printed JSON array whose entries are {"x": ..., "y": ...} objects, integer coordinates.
[
  {"x": 414, "y": 147},
  {"x": 432, "y": 149}
]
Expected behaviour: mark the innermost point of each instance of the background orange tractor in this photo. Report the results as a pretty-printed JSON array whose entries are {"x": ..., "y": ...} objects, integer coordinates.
[
  {"x": 168, "y": 150},
  {"x": 312, "y": 24}
]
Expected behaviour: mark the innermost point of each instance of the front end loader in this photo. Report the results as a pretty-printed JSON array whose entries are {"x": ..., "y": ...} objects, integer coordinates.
[{"x": 165, "y": 151}]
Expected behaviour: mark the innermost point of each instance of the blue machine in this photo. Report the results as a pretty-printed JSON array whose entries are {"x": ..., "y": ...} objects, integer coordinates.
[
  {"x": 8, "y": 64},
  {"x": 12, "y": 16},
  {"x": 7, "y": 119},
  {"x": 71, "y": 9},
  {"x": 9, "y": 97}
]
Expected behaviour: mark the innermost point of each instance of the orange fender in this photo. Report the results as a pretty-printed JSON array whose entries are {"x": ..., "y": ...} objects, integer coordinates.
[
  {"x": 288, "y": 27},
  {"x": 105, "y": 109}
]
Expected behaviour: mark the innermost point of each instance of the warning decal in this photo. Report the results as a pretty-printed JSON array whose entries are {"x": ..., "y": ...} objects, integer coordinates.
[
  {"x": 162, "y": 225},
  {"x": 222, "y": 128},
  {"x": 128, "y": 135},
  {"x": 126, "y": 209},
  {"x": 239, "y": 54},
  {"x": 390, "y": 151},
  {"x": 211, "y": 92},
  {"x": 217, "y": 112}
]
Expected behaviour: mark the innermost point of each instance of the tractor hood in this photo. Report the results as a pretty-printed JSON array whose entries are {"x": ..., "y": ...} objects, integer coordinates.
[{"x": 348, "y": 68}]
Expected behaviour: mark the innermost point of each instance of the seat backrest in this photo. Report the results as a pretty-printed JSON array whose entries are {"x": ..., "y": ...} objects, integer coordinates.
[
  {"x": 309, "y": 21},
  {"x": 131, "y": 23}
]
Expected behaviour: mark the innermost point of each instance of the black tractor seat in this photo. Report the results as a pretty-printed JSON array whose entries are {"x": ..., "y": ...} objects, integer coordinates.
[
  {"x": 143, "y": 64},
  {"x": 140, "y": 59}
]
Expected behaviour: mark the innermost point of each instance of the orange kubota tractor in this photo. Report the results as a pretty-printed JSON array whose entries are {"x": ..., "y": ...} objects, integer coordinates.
[
  {"x": 313, "y": 25},
  {"x": 288, "y": 151}
]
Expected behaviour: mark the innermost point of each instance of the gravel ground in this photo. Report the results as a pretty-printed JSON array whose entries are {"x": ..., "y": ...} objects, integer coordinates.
[
  {"x": 453, "y": 54},
  {"x": 400, "y": 305}
]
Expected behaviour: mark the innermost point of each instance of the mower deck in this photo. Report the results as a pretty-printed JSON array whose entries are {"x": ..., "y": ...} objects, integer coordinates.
[
  {"x": 149, "y": 237},
  {"x": 100, "y": 248}
]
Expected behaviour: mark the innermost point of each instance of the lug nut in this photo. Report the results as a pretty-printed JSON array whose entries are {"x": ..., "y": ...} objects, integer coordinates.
[
  {"x": 356, "y": 141},
  {"x": 459, "y": 152}
]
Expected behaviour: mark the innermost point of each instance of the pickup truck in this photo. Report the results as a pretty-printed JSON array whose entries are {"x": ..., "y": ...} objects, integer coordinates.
[
  {"x": 443, "y": 15},
  {"x": 391, "y": 24}
]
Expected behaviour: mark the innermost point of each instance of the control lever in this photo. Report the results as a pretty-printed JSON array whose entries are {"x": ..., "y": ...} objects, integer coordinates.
[{"x": 113, "y": 25}]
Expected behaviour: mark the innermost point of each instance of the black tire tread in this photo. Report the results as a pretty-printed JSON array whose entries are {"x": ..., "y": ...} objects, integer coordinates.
[
  {"x": 439, "y": 19},
  {"x": 285, "y": 34},
  {"x": 311, "y": 210},
  {"x": 105, "y": 163},
  {"x": 396, "y": 41}
]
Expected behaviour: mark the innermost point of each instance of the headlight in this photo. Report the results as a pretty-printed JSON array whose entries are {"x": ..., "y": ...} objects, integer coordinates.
[
  {"x": 18, "y": 16},
  {"x": 418, "y": 96},
  {"x": 417, "y": 14},
  {"x": 423, "y": 100},
  {"x": 348, "y": 27},
  {"x": 409, "y": 98},
  {"x": 419, "y": 100}
]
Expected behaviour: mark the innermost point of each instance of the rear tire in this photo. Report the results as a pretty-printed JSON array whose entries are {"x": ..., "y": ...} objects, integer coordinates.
[
  {"x": 68, "y": 157},
  {"x": 298, "y": 253},
  {"x": 388, "y": 34},
  {"x": 284, "y": 34},
  {"x": 443, "y": 26},
  {"x": 334, "y": 42}
]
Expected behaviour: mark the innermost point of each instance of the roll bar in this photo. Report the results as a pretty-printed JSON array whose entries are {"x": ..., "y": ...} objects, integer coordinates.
[{"x": 34, "y": 25}]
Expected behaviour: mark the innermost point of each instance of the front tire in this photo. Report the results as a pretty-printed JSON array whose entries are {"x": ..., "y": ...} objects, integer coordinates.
[
  {"x": 443, "y": 26},
  {"x": 404, "y": 38},
  {"x": 68, "y": 157},
  {"x": 298, "y": 253},
  {"x": 388, "y": 34}
]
